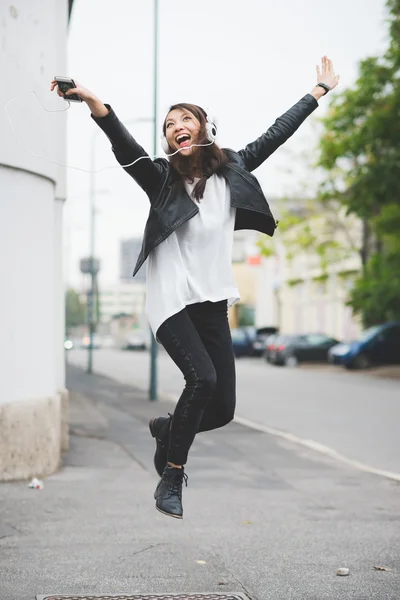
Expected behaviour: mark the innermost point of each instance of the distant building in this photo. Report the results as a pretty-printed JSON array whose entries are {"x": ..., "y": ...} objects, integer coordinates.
[
  {"x": 245, "y": 248},
  {"x": 298, "y": 296},
  {"x": 129, "y": 252},
  {"x": 246, "y": 262},
  {"x": 122, "y": 298}
]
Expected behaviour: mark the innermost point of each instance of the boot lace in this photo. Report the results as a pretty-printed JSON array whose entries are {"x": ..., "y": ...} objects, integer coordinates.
[{"x": 176, "y": 482}]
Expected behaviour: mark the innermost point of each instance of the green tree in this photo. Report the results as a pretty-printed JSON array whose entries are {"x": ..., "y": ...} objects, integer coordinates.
[
  {"x": 315, "y": 227},
  {"x": 75, "y": 310},
  {"x": 359, "y": 153},
  {"x": 360, "y": 148}
]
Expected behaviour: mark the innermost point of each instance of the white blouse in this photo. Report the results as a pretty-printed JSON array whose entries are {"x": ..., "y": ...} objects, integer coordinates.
[{"x": 194, "y": 263}]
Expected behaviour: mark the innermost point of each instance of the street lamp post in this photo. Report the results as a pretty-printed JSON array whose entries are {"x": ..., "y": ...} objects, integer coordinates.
[
  {"x": 93, "y": 264},
  {"x": 153, "y": 349},
  {"x": 92, "y": 292}
]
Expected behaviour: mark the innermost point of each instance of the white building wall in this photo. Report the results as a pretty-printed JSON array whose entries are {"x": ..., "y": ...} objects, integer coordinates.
[
  {"x": 31, "y": 54},
  {"x": 122, "y": 298},
  {"x": 27, "y": 355},
  {"x": 267, "y": 289},
  {"x": 293, "y": 299},
  {"x": 33, "y": 42},
  {"x": 60, "y": 12},
  {"x": 59, "y": 293}
]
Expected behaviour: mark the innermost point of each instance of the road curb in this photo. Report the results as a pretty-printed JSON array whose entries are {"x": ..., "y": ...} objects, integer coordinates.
[{"x": 317, "y": 447}]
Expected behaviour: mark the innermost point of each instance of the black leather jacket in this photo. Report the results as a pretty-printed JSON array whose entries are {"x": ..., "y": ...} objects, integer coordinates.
[{"x": 170, "y": 205}]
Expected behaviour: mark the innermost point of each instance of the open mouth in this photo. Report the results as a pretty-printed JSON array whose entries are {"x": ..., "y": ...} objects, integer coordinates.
[{"x": 183, "y": 140}]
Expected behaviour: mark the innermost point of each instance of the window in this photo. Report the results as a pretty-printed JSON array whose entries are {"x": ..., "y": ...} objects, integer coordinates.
[
  {"x": 290, "y": 339},
  {"x": 392, "y": 334},
  {"x": 321, "y": 286},
  {"x": 318, "y": 340},
  {"x": 238, "y": 335},
  {"x": 369, "y": 333}
]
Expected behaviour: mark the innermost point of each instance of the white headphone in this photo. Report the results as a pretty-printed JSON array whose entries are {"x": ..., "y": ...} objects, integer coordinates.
[{"x": 211, "y": 132}]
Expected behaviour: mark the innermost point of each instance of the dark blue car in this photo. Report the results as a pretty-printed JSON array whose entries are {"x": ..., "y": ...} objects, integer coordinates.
[
  {"x": 250, "y": 341},
  {"x": 379, "y": 345}
]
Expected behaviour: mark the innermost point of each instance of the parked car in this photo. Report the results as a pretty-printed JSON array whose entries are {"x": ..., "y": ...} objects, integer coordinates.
[
  {"x": 107, "y": 341},
  {"x": 242, "y": 342},
  {"x": 262, "y": 335},
  {"x": 270, "y": 346},
  {"x": 250, "y": 341},
  {"x": 378, "y": 345},
  {"x": 85, "y": 342},
  {"x": 138, "y": 340},
  {"x": 291, "y": 350}
]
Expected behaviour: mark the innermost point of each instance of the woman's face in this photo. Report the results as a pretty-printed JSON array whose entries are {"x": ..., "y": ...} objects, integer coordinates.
[{"x": 181, "y": 129}]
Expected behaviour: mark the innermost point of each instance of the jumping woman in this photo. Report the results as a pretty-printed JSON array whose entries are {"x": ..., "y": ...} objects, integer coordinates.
[{"x": 197, "y": 199}]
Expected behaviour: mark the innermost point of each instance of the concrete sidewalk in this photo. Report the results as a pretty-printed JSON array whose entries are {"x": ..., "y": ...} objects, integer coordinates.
[{"x": 261, "y": 517}]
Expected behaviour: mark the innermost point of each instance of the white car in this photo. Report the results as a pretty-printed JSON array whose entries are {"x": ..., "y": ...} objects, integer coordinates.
[{"x": 137, "y": 340}]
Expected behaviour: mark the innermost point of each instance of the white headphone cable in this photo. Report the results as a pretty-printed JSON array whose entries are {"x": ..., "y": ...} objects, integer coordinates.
[{"x": 79, "y": 168}]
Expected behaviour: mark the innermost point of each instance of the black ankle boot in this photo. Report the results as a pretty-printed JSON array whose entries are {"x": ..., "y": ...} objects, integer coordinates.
[
  {"x": 159, "y": 429},
  {"x": 168, "y": 493}
]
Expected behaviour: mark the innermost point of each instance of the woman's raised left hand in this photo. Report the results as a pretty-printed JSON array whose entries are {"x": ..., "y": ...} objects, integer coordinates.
[{"x": 326, "y": 73}]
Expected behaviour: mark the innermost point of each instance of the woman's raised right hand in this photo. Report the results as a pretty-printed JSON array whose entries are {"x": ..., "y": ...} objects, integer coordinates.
[
  {"x": 97, "y": 108},
  {"x": 82, "y": 92}
]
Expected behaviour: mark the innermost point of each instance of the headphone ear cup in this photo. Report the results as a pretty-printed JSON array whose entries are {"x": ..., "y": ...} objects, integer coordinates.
[
  {"x": 211, "y": 131},
  {"x": 164, "y": 144}
]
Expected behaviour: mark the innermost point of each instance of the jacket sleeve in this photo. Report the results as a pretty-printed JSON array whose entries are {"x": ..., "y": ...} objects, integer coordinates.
[
  {"x": 145, "y": 172},
  {"x": 284, "y": 127}
]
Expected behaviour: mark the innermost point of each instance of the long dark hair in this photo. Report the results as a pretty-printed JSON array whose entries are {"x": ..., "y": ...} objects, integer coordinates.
[{"x": 207, "y": 160}]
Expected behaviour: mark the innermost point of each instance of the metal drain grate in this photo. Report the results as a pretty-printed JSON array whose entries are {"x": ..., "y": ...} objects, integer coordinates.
[{"x": 152, "y": 597}]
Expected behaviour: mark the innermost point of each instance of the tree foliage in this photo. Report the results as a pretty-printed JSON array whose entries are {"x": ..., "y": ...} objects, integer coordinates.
[
  {"x": 75, "y": 310},
  {"x": 362, "y": 142},
  {"x": 359, "y": 153},
  {"x": 314, "y": 230},
  {"x": 377, "y": 292}
]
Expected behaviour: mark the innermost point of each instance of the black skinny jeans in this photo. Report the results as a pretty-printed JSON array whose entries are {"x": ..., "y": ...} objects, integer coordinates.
[{"x": 198, "y": 340}]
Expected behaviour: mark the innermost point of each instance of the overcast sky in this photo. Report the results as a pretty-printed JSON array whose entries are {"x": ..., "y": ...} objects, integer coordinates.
[{"x": 247, "y": 61}]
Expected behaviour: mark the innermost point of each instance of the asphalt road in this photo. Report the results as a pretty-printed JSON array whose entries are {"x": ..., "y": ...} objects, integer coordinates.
[{"x": 355, "y": 414}]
